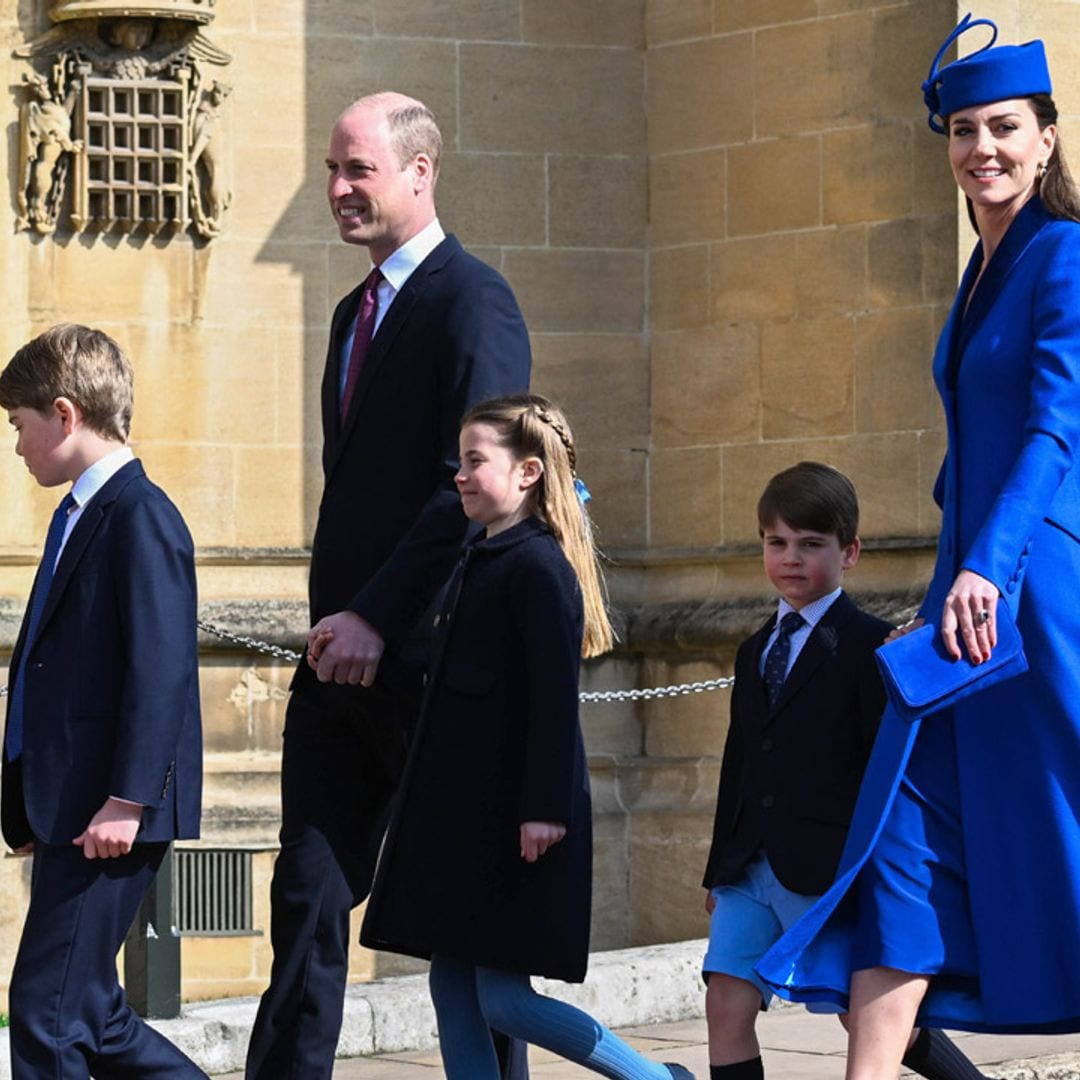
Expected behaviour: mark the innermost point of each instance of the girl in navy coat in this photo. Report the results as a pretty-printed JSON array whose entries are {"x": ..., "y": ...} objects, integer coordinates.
[
  {"x": 965, "y": 850},
  {"x": 487, "y": 865}
]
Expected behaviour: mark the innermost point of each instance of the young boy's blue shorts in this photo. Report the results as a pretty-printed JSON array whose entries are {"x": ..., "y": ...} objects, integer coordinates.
[{"x": 749, "y": 917}]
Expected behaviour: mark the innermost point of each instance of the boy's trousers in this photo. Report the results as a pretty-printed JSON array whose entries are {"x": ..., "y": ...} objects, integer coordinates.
[{"x": 69, "y": 1015}]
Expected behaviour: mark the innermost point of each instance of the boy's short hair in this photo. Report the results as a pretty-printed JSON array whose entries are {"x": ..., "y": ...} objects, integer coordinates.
[
  {"x": 84, "y": 365},
  {"x": 811, "y": 496}
]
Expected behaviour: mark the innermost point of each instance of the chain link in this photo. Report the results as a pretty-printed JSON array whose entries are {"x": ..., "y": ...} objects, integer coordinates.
[
  {"x": 648, "y": 693},
  {"x": 249, "y": 642},
  {"x": 598, "y": 696}
]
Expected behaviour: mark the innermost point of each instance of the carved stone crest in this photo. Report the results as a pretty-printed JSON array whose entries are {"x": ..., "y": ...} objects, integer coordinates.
[{"x": 125, "y": 106}]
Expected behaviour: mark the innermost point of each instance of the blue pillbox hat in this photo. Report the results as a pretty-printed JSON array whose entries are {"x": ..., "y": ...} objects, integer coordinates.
[{"x": 988, "y": 74}]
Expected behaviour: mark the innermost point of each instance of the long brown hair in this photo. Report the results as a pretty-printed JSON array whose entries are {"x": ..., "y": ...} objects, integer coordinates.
[
  {"x": 529, "y": 425},
  {"x": 1055, "y": 187}
]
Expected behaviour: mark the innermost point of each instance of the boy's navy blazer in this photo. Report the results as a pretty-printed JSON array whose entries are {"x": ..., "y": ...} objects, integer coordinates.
[
  {"x": 790, "y": 774},
  {"x": 390, "y": 523},
  {"x": 111, "y": 701}
]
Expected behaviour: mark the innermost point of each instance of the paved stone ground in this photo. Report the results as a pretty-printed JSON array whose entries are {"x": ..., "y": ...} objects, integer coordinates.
[{"x": 796, "y": 1045}]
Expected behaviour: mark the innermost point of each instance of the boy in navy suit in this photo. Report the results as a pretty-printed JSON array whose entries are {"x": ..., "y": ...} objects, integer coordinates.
[
  {"x": 102, "y": 762},
  {"x": 804, "y": 712}
]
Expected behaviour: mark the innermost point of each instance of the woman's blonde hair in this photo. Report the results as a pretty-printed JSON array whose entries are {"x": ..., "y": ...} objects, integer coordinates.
[{"x": 529, "y": 425}]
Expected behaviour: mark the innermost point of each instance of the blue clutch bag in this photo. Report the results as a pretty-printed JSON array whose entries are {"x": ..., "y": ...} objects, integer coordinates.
[{"x": 921, "y": 678}]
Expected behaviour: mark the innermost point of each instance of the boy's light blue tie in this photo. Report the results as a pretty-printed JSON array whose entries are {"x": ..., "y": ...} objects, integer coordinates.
[
  {"x": 13, "y": 739},
  {"x": 777, "y": 661}
]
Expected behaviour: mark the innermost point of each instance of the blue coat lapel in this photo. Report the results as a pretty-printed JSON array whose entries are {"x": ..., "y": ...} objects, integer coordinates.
[{"x": 1013, "y": 244}]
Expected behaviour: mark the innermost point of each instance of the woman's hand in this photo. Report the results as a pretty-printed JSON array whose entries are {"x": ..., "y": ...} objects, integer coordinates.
[
  {"x": 901, "y": 631},
  {"x": 970, "y": 615},
  {"x": 538, "y": 836}
]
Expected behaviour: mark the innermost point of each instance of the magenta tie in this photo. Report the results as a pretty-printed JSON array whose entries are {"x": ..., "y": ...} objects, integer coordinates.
[{"x": 365, "y": 327}]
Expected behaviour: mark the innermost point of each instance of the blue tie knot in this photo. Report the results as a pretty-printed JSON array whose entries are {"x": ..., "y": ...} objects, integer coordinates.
[{"x": 790, "y": 623}]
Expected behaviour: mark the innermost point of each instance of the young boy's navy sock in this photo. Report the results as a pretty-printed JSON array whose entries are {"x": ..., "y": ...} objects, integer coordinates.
[
  {"x": 934, "y": 1055},
  {"x": 741, "y": 1070}
]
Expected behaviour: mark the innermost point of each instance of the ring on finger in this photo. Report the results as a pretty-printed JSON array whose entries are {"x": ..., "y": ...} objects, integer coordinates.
[{"x": 982, "y": 617}]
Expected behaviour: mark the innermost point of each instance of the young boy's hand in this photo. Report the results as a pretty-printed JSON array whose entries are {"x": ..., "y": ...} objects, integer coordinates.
[
  {"x": 538, "y": 836},
  {"x": 902, "y": 631},
  {"x": 710, "y": 901},
  {"x": 111, "y": 831}
]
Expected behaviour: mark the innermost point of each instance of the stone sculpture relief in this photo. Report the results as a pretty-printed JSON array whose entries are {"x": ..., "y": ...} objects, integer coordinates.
[
  {"x": 210, "y": 188},
  {"x": 44, "y": 143},
  {"x": 126, "y": 109}
]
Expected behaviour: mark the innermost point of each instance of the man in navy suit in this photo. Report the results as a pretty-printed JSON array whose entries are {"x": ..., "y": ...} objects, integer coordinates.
[
  {"x": 429, "y": 333},
  {"x": 102, "y": 762}
]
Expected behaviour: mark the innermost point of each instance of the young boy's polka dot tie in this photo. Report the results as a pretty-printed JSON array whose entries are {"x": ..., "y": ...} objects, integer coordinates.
[{"x": 777, "y": 661}]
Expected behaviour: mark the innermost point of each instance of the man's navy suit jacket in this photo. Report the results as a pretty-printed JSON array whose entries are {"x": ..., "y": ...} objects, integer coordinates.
[
  {"x": 390, "y": 523},
  {"x": 790, "y": 774},
  {"x": 111, "y": 703}
]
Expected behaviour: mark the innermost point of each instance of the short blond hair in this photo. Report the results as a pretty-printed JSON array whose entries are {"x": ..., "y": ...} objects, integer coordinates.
[
  {"x": 413, "y": 129},
  {"x": 75, "y": 362}
]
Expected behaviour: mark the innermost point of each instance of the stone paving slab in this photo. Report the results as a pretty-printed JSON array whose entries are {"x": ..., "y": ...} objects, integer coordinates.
[{"x": 796, "y": 1046}]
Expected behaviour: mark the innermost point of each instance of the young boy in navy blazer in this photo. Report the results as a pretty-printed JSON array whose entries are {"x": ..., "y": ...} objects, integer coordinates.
[
  {"x": 102, "y": 762},
  {"x": 804, "y": 713}
]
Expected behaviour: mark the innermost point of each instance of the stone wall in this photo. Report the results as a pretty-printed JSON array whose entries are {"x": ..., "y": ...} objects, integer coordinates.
[{"x": 733, "y": 238}]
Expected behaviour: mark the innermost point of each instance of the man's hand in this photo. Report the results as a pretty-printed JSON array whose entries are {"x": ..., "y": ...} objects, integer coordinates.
[
  {"x": 111, "y": 831},
  {"x": 345, "y": 649},
  {"x": 538, "y": 836}
]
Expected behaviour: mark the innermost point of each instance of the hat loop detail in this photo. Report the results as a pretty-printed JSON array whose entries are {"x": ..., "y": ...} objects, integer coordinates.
[{"x": 930, "y": 87}]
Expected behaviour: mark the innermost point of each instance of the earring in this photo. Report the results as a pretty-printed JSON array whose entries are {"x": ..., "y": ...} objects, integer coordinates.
[{"x": 1040, "y": 172}]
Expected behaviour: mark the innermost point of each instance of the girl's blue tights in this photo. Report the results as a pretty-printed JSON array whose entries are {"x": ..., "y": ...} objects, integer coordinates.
[{"x": 470, "y": 1001}]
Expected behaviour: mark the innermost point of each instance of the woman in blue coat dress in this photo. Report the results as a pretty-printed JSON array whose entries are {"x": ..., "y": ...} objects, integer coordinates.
[{"x": 958, "y": 898}]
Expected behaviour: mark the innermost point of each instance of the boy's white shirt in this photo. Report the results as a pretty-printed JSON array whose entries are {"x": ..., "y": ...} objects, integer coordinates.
[{"x": 90, "y": 482}]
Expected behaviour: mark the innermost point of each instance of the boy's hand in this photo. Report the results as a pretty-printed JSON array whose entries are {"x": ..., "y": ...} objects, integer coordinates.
[
  {"x": 352, "y": 653},
  {"x": 538, "y": 836},
  {"x": 24, "y": 849},
  {"x": 901, "y": 631},
  {"x": 111, "y": 831},
  {"x": 710, "y": 901}
]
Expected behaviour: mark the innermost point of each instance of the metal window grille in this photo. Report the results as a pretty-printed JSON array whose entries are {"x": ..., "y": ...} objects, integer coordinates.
[
  {"x": 212, "y": 892},
  {"x": 132, "y": 171}
]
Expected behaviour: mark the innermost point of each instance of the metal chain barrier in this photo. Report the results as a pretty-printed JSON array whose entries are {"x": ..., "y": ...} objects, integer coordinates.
[
  {"x": 678, "y": 690},
  {"x": 248, "y": 642},
  {"x": 648, "y": 694}
]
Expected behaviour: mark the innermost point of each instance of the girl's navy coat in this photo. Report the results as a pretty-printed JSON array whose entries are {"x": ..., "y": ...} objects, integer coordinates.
[{"x": 498, "y": 743}]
